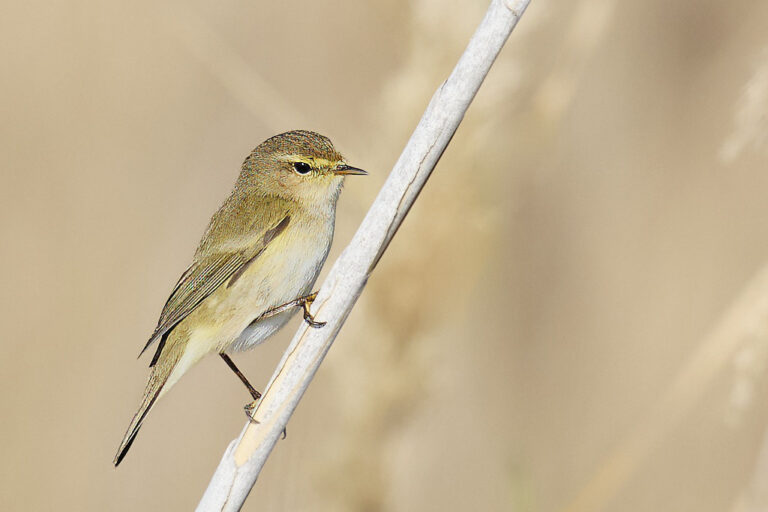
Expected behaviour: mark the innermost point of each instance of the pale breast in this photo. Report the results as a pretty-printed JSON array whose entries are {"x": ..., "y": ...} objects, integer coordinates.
[{"x": 286, "y": 270}]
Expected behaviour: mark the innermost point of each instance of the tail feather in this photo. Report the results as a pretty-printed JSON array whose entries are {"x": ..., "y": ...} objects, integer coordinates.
[
  {"x": 150, "y": 396},
  {"x": 157, "y": 385},
  {"x": 134, "y": 427},
  {"x": 169, "y": 368}
]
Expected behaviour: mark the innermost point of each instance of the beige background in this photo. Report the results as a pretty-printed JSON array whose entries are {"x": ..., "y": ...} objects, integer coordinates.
[{"x": 539, "y": 336}]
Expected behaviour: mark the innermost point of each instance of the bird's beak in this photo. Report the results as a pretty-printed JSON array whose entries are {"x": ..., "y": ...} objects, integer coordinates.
[{"x": 346, "y": 170}]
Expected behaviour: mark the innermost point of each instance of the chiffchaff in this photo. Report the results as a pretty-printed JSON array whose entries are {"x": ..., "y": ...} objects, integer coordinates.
[{"x": 258, "y": 259}]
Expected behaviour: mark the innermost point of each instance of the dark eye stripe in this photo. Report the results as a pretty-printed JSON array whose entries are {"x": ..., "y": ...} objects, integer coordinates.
[{"x": 302, "y": 167}]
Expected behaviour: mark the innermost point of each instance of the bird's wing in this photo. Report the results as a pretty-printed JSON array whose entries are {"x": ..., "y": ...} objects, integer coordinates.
[{"x": 203, "y": 277}]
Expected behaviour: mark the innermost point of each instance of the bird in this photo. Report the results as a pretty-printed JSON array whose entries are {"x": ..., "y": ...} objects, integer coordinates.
[{"x": 255, "y": 265}]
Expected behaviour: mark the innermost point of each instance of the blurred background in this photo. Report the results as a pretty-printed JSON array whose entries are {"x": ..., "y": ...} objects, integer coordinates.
[{"x": 574, "y": 317}]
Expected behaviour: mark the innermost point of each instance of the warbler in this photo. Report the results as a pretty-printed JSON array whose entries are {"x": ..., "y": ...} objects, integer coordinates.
[{"x": 255, "y": 265}]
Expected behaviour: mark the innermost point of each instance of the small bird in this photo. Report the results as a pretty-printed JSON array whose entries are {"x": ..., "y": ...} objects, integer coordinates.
[{"x": 255, "y": 265}]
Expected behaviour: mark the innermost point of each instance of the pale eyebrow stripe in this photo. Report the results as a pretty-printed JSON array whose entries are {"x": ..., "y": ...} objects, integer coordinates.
[{"x": 314, "y": 162}]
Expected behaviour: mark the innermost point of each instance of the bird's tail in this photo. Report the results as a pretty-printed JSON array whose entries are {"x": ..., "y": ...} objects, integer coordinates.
[{"x": 158, "y": 384}]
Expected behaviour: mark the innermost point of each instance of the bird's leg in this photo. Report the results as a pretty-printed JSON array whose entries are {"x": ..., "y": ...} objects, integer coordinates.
[
  {"x": 279, "y": 309},
  {"x": 255, "y": 394},
  {"x": 250, "y": 407},
  {"x": 304, "y": 302}
]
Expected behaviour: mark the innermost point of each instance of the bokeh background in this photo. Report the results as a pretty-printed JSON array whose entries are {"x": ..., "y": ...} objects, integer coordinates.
[{"x": 574, "y": 317}]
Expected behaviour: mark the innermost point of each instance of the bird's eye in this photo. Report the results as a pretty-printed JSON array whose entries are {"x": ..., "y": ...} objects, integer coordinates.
[{"x": 302, "y": 167}]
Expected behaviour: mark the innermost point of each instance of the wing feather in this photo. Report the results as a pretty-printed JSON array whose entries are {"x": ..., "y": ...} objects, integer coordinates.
[
  {"x": 195, "y": 285},
  {"x": 203, "y": 277}
]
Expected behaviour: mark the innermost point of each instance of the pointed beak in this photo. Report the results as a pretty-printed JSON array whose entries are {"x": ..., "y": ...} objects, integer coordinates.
[{"x": 346, "y": 170}]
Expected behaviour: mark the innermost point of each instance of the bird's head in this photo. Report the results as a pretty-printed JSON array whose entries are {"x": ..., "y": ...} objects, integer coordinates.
[{"x": 300, "y": 165}]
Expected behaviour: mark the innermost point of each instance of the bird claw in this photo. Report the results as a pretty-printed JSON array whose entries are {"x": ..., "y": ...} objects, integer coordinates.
[
  {"x": 249, "y": 409},
  {"x": 313, "y": 323},
  {"x": 308, "y": 316}
]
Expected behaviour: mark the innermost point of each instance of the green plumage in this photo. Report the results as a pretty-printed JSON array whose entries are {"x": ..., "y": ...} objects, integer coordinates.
[{"x": 263, "y": 248}]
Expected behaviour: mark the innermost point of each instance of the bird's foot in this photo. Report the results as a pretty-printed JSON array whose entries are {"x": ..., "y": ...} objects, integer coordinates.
[
  {"x": 308, "y": 300},
  {"x": 250, "y": 409},
  {"x": 311, "y": 319},
  {"x": 303, "y": 302}
]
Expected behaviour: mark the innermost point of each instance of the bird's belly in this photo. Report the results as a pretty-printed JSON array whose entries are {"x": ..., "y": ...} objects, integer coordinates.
[
  {"x": 279, "y": 275},
  {"x": 259, "y": 331}
]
